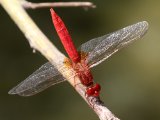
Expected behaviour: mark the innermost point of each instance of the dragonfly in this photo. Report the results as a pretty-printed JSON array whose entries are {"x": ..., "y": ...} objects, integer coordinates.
[{"x": 90, "y": 54}]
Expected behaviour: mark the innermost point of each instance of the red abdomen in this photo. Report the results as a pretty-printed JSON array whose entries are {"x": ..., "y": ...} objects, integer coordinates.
[{"x": 65, "y": 37}]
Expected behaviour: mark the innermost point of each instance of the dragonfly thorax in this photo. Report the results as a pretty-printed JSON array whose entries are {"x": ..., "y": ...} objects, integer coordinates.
[
  {"x": 83, "y": 72},
  {"x": 86, "y": 78}
]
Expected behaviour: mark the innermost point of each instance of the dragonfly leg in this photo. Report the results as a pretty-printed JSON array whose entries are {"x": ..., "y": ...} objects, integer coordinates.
[{"x": 75, "y": 84}]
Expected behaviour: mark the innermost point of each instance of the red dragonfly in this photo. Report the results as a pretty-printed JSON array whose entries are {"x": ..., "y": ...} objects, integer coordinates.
[{"x": 91, "y": 54}]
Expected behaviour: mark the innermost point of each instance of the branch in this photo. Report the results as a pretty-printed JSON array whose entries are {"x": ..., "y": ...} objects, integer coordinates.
[
  {"x": 40, "y": 42},
  {"x": 31, "y": 5}
]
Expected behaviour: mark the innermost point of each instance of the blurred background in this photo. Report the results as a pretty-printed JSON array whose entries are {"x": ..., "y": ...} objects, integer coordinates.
[{"x": 130, "y": 79}]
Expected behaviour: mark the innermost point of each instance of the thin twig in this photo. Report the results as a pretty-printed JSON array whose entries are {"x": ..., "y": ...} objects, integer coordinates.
[
  {"x": 41, "y": 43},
  {"x": 30, "y": 5}
]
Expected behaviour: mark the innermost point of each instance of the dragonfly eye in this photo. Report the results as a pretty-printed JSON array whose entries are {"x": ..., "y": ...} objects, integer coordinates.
[
  {"x": 97, "y": 87},
  {"x": 90, "y": 91},
  {"x": 96, "y": 94}
]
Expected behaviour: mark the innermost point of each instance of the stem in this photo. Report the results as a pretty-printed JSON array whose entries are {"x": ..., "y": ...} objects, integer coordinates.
[
  {"x": 40, "y": 42},
  {"x": 31, "y": 5}
]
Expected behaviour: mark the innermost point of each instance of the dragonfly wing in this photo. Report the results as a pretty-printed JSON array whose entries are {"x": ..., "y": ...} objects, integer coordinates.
[
  {"x": 99, "y": 49},
  {"x": 46, "y": 76}
]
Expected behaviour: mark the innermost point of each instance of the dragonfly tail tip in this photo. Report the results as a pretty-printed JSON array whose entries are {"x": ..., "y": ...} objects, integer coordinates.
[{"x": 52, "y": 11}]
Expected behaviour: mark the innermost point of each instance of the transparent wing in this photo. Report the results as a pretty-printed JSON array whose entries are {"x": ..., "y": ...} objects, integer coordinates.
[
  {"x": 38, "y": 81},
  {"x": 99, "y": 49}
]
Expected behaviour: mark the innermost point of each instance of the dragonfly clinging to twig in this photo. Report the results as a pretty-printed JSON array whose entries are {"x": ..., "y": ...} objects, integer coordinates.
[{"x": 91, "y": 54}]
